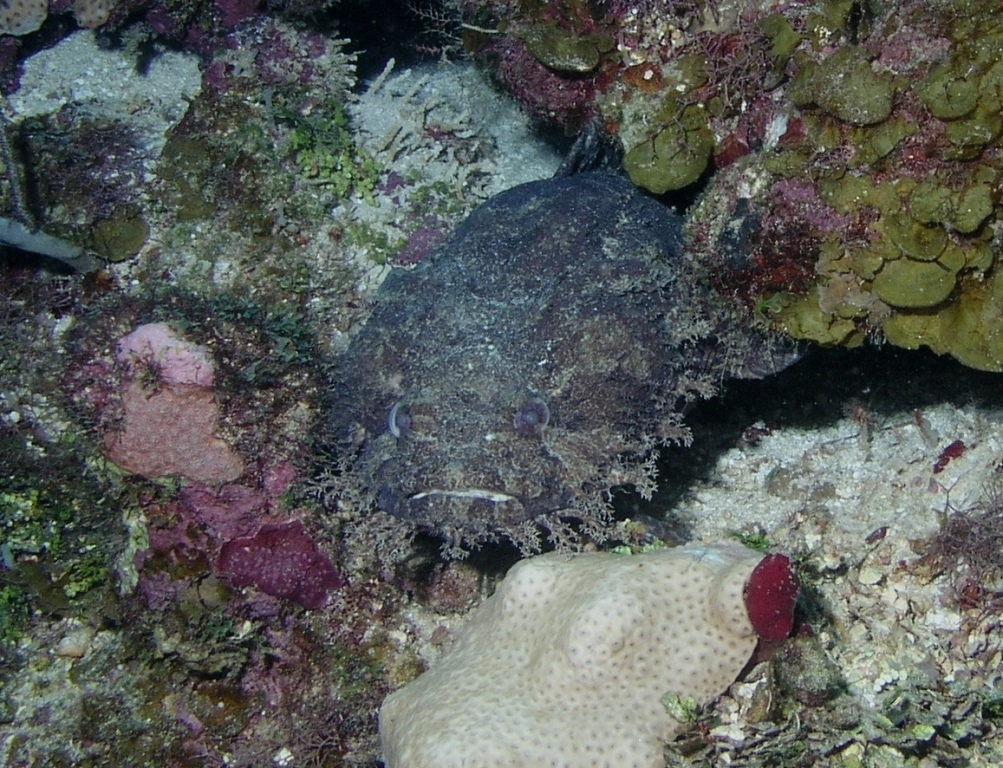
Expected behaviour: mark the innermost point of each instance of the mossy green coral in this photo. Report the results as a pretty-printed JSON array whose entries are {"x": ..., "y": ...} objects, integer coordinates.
[
  {"x": 949, "y": 94},
  {"x": 570, "y": 36},
  {"x": 677, "y": 154},
  {"x": 930, "y": 244},
  {"x": 909, "y": 283},
  {"x": 380, "y": 247},
  {"x": 668, "y": 141},
  {"x": 783, "y": 39},
  {"x": 675, "y": 158},
  {"x": 915, "y": 240},
  {"x": 846, "y": 85},
  {"x": 972, "y": 206},
  {"x": 970, "y": 328},
  {"x": 968, "y": 137},
  {"x": 564, "y": 50},
  {"x": 802, "y": 318}
]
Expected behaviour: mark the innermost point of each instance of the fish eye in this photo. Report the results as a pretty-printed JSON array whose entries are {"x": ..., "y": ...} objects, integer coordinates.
[
  {"x": 531, "y": 417},
  {"x": 399, "y": 420}
]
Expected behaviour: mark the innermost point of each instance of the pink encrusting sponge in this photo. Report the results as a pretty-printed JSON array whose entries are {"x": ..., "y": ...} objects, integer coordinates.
[
  {"x": 770, "y": 595},
  {"x": 569, "y": 663}
]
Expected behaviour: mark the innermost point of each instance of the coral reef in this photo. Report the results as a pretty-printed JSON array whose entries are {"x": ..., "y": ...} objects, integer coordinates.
[
  {"x": 572, "y": 661},
  {"x": 245, "y": 194},
  {"x": 884, "y": 181},
  {"x": 848, "y": 155}
]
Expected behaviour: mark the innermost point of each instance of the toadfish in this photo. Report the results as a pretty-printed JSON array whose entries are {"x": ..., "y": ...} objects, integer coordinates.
[{"x": 533, "y": 361}]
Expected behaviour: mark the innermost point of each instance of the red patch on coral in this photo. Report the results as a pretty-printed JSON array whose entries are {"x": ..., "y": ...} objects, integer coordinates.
[
  {"x": 782, "y": 253},
  {"x": 795, "y": 134},
  {"x": 770, "y": 595},
  {"x": 281, "y": 561},
  {"x": 646, "y": 77},
  {"x": 730, "y": 148}
]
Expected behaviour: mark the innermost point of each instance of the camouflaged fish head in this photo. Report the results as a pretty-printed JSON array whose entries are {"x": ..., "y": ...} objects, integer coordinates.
[{"x": 531, "y": 362}]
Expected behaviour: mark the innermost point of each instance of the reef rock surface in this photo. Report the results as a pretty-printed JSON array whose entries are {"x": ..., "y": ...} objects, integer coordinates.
[{"x": 532, "y": 361}]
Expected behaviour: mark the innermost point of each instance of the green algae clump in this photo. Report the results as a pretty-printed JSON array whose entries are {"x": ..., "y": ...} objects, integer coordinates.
[
  {"x": 120, "y": 236},
  {"x": 972, "y": 207},
  {"x": 879, "y": 147},
  {"x": 964, "y": 210},
  {"x": 931, "y": 203},
  {"x": 784, "y": 40},
  {"x": 970, "y": 329},
  {"x": 801, "y": 318},
  {"x": 668, "y": 142},
  {"x": 915, "y": 240},
  {"x": 15, "y": 612},
  {"x": 325, "y": 151},
  {"x": 948, "y": 94}
]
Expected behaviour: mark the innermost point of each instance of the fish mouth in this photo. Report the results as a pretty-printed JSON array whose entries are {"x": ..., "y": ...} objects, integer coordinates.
[
  {"x": 471, "y": 494},
  {"x": 429, "y": 502},
  {"x": 473, "y": 507}
]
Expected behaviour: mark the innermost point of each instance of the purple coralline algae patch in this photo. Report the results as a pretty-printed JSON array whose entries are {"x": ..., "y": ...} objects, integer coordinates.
[
  {"x": 282, "y": 561},
  {"x": 419, "y": 244}
]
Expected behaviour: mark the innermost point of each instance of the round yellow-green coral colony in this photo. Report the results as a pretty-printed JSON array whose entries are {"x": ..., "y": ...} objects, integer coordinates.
[
  {"x": 913, "y": 284},
  {"x": 563, "y": 50},
  {"x": 846, "y": 85},
  {"x": 883, "y": 152}
]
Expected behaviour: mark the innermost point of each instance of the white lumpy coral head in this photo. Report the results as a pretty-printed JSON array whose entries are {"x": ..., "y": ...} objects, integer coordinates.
[
  {"x": 567, "y": 663},
  {"x": 20, "y": 17}
]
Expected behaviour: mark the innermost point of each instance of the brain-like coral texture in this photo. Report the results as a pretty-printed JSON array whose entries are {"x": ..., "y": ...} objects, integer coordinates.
[{"x": 568, "y": 663}]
